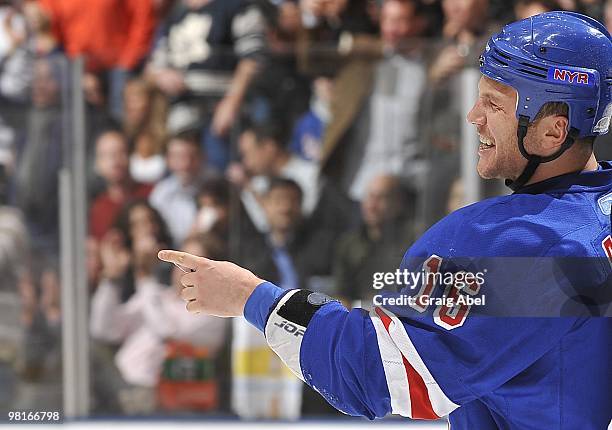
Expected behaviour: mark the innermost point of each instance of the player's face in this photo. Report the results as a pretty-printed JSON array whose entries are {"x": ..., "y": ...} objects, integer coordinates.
[{"x": 495, "y": 119}]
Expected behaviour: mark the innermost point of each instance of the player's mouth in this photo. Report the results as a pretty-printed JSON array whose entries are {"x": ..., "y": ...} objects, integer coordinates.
[{"x": 485, "y": 144}]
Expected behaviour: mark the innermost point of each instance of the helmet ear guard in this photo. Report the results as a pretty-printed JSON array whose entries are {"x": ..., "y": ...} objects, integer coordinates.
[{"x": 554, "y": 57}]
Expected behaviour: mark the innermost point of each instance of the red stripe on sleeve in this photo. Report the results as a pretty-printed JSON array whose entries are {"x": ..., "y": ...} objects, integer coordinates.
[{"x": 419, "y": 397}]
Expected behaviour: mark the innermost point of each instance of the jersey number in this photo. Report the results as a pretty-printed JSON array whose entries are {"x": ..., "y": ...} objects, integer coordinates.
[{"x": 446, "y": 316}]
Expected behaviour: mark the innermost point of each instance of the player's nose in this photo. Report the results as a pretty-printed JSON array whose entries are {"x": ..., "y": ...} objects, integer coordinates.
[{"x": 476, "y": 115}]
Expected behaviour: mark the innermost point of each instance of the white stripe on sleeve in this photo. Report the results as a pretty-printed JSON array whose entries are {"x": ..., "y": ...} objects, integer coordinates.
[
  {"x": 395, "y": 373},
  {"x": 440, "y": 403}
]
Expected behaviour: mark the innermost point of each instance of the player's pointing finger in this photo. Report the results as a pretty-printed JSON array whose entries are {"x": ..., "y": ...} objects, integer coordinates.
[{"x": 178, "y": 257}]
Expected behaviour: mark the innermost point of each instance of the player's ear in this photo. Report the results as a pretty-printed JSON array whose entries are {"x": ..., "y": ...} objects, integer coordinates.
[{"x": 553, "y": 132}]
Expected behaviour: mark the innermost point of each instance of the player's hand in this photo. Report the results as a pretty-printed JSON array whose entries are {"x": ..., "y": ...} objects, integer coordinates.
[{"x": 217, "y": 288}]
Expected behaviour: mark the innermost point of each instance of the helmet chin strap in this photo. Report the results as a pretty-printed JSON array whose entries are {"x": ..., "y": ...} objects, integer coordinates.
[{"x": 533, "y": 161}]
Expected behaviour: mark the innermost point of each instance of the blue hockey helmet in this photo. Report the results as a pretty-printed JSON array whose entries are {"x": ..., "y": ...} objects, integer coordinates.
[{"x": 554, "y": 57}]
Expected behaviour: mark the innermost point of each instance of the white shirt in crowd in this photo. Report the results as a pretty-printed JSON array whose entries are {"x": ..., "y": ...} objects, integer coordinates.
[
  {"x": 147, "y": 170},
  {"x": 392, "y": 143},
  {"x": 177, "y": 205}
]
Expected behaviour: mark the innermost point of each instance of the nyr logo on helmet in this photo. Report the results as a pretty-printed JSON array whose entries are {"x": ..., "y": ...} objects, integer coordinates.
[{"x": 569, "y": 76}]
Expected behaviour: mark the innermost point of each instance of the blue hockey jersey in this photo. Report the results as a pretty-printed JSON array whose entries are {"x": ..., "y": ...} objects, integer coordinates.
[{"x": 484, "y": 370}]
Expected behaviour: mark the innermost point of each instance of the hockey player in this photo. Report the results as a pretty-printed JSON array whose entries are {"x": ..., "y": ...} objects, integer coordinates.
[{"x": 545, "y": 94}]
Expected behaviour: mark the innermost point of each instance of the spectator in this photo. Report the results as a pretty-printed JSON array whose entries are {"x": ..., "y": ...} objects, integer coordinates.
[
  {"x": 127, "y": 254},
  {"x": 112, "y": 164},
  {"x": 465, "y": 31},
  {"x": 378, "y": 245},
  {"x": 527, "y": 8},
  {"x": 15, "y": 80},
  {"x": 41, "y": 362},
  {"x": 14, "y": 247},
  {"x": 13, "y": 29},
  {"x": 114, "y": 36},
  {"x": 295, "y": 250},
  {"x": 330, "y": 29},
  {"x": 465, "y": 24},
  {"x": 336, "y": 14},
  {"x": 175, "y": 196},
  {"x": 138, "y": 226},
  {"x": 147, "y": 164},
  {"x": 308, "y": 132},
  {"x": 325, "y": 208},
  {"x": 593, "y": 8},
  {"x": 221, "y": 212},
  {"x": 40, "y": 158},
  {"x": 27, "y": 36},
  {"x": 283, "y": 207},
  {"x": 154, "y": 315},
  {"x": 144, "y": 125},
  {"x": 296, "y": 254},
  {"x": 273, "y": 392},
  {"x": 136, "y": 230},
  {"x": 569, "y": 4},
  {"x": 264, "y": 155},
  {"x": 93, "y": 261},
  {"x": 206, "y": 58},
  {"x": 97, "y": 121},
  {"x": 145, "y": 111},
  {"x": 14, "y": 257},
  {"x": 376, "y": 106},
  {"x": 36, "y": 194},
  {"x": 214, "y": 207},
  {"x": 279, "y": 92},
  {"x": 39, "y": 29}
]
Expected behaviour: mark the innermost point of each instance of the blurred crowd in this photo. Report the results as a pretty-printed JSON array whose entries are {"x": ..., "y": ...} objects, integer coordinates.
[{"x": 310, "y": 141}]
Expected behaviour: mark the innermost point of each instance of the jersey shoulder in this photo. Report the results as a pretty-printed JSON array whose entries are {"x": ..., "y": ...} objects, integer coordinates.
[{"x": 516, "y": 225}]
